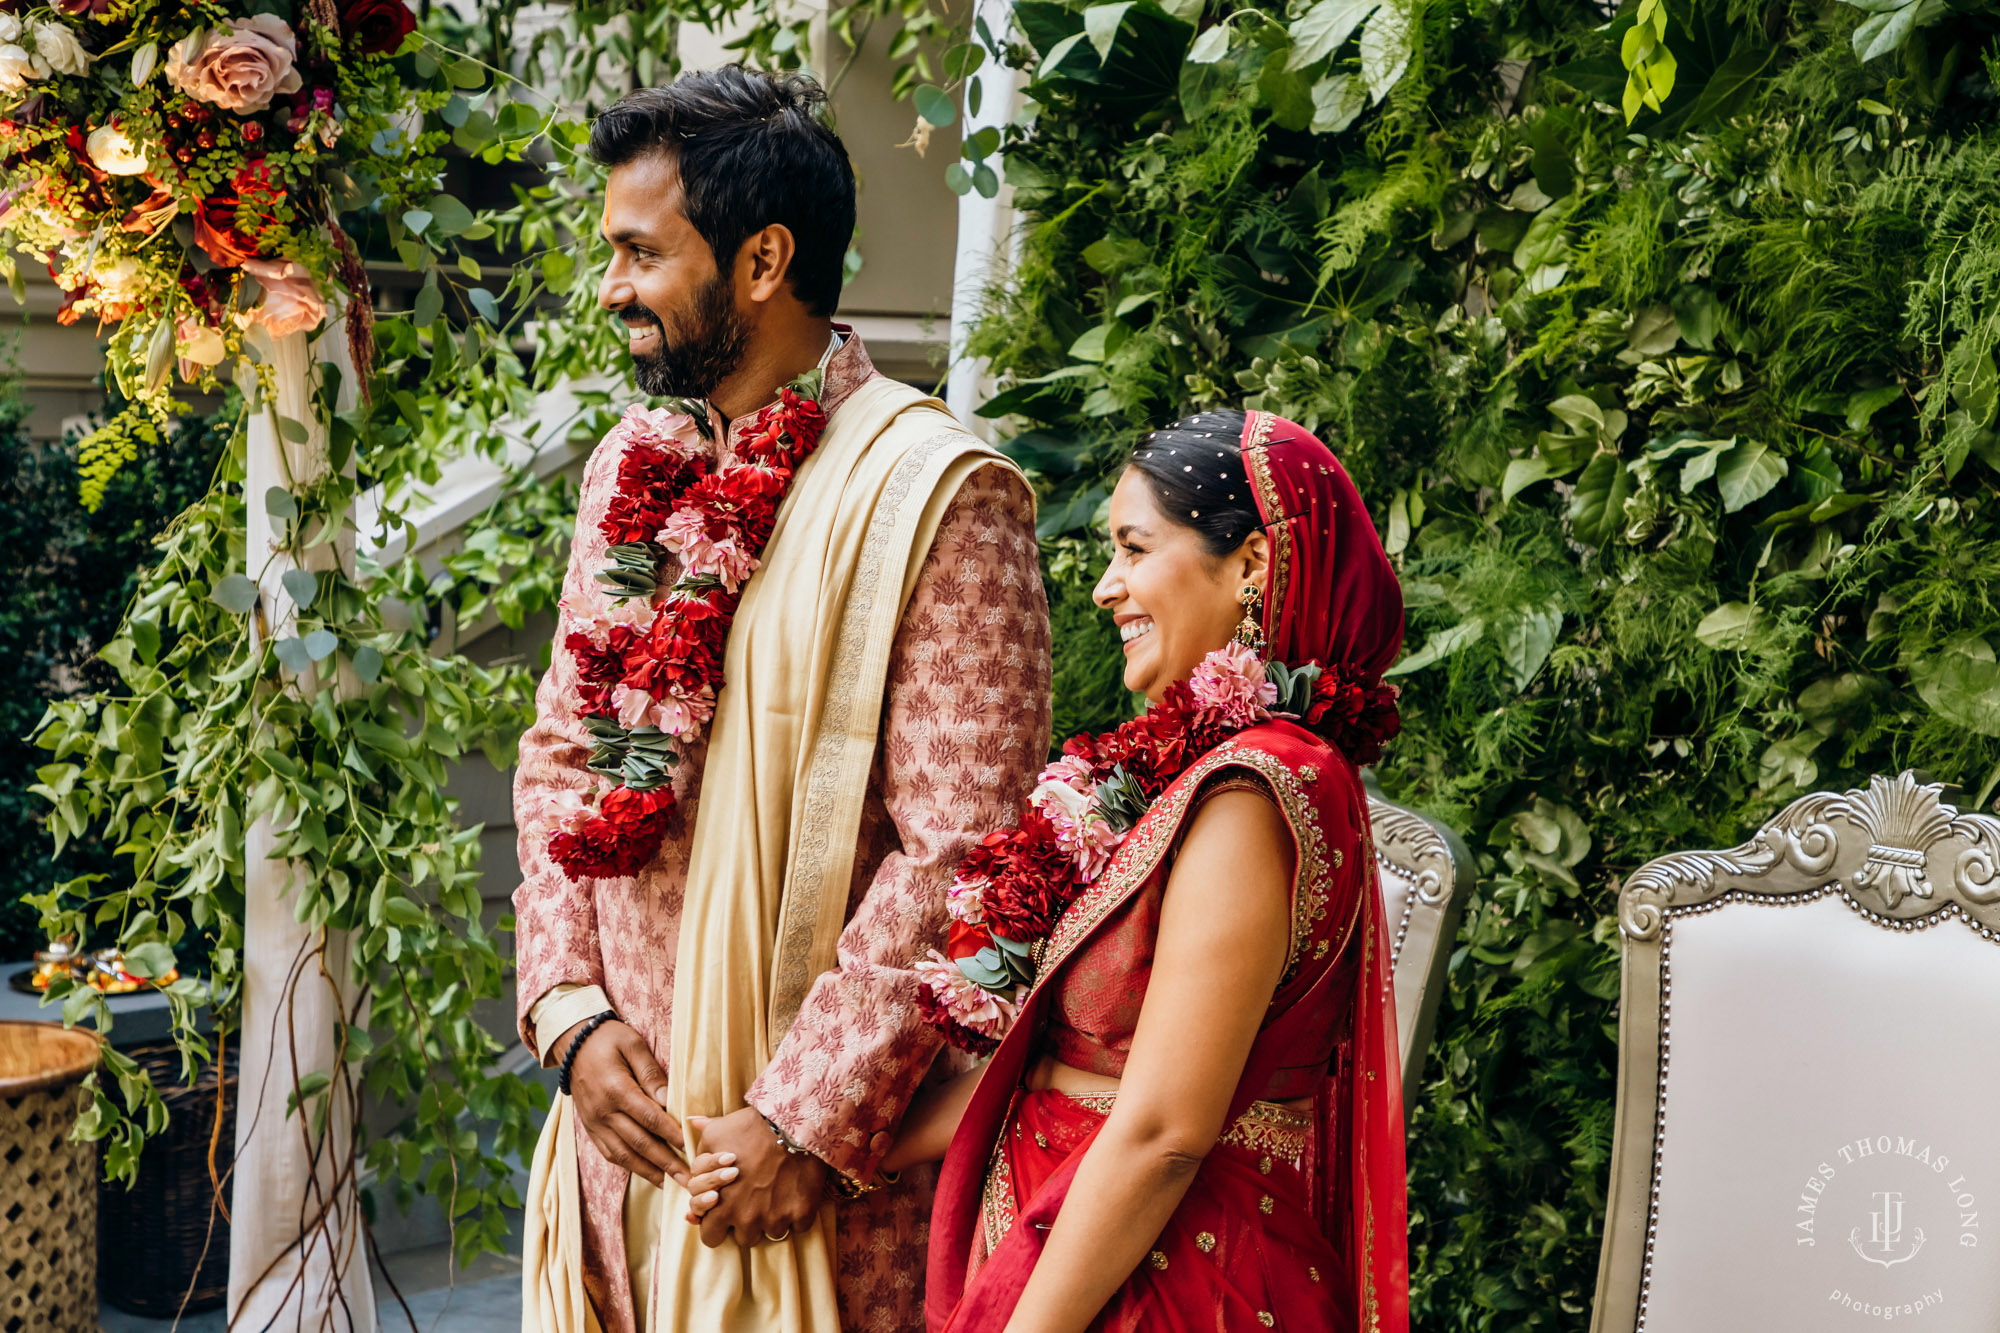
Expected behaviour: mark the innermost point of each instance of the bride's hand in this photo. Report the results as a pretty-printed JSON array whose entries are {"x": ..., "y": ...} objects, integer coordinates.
[{"x": 709, "y": 1173}]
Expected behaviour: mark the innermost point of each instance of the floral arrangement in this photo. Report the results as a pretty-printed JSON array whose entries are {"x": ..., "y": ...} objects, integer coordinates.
[
  {"x": 652, "y": 664},
  {"x": 178, "y": 169},
  {"x": 1010, "y": 890}
]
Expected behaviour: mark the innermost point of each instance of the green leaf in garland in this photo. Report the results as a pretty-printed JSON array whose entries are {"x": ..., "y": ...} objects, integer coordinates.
[
  {"x": 281, "y": 504},
  {"x": 368, "y": 664},
  {"x": 320, "y": 644},
  {"x": 482, "y": 301},
  {"x": 428, "y": 306},
  {"x": 454, "y": 112},
  {"x": 293, "y": 655},
  {"x": 416, "y": 219},
  {"x": 451, "y": 216}
]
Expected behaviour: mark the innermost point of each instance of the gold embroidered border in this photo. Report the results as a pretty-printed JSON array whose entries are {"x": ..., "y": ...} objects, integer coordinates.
[
  {"x": 1272, "y": 1129},
  {"x": 806, "y": 893},
  {"x": 1140, "y": 855},
  {"x": 996, "y": 1197}
]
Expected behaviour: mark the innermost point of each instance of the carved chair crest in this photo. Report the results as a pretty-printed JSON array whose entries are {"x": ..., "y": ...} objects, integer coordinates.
[
  {"x": 1826, "y": 1149},
  {"x": 1426, "y": 874}
]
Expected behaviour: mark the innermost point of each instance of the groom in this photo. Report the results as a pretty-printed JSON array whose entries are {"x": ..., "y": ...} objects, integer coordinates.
[{"x": 886, "y": 703}]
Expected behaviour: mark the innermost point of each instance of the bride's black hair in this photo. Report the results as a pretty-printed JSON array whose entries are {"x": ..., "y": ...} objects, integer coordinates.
[{"x": 1195, "y": 471}]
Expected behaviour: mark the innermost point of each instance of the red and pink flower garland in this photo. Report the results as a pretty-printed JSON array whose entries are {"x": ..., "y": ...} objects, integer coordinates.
[
  {"x": 651, "y": 665},
  {"x": 1014, "y": 885}
]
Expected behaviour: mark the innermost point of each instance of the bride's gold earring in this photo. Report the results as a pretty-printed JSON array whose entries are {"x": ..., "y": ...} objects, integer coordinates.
[{"x": 1250, "y": 632}]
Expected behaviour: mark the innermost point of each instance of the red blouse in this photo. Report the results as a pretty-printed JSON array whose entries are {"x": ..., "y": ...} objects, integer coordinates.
[{"x": 1102, "y": 987}]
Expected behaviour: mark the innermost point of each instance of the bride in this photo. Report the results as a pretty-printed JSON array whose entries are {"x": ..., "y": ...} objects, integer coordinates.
[{"x": 1192, "y": 1116}]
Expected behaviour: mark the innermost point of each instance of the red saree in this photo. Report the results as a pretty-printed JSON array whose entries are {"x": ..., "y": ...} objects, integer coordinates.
[{"x": 1294, "y": 1220}]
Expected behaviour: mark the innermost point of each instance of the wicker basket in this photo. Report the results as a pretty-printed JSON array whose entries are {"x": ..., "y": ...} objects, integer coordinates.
[
  {"x": 160, "y": 1229},
  {"x": 48, "y": 1184}
]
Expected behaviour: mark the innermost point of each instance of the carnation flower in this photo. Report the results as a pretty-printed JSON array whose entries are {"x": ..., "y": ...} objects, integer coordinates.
[
  {"x": 965, "y": 900},
  {"x": 961, "y": 999},
  {"x": 785, "y": 432},
  {"x": 619, "y": 840},
  {"x": 1033, "y": 878},
  {"x": 239, "y": 67},
  {"x": 113, "y": 151},
  {"x": 652, "y": 473},
  {"x": 675, "y": 432},
  {"x": 1356, "y": 717},
  {"x": 1231, "y": 681},
  {"x": 1090, "y": 840},
  {"x": 291, "y": 302},
  {"x": 687, "y": 533},
  {"x": 677, "y": 715},
  {"x": 1073, "y": 769}
]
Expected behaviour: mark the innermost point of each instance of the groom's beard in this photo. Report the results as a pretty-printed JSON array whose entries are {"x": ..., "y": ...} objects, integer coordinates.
[{"x": 700, "y": 347}]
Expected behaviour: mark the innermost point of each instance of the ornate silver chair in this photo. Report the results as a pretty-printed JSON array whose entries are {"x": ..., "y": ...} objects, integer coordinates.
[
  {"x": 1819, "y": 1151},
  {"x": 1426, "y": 873}
]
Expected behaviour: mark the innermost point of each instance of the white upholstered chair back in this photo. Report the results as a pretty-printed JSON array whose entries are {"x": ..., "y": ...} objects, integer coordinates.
[
  {"x": 1808, "y": 1076},
  {"x": 1426, "y": 875}
]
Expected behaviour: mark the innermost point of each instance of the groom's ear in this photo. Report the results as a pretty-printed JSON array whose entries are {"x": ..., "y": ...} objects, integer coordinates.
[{"x": 764, "y": 262}]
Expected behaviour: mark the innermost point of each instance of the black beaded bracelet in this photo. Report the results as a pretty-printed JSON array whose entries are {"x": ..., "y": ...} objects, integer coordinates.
[{"x": 569, "y": 1056}]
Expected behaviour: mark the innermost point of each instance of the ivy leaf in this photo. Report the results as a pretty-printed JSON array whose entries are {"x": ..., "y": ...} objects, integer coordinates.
[
  {"x": 1324, "y": 28},
  {"x": 368, "y": 664},
  {"x": 1385, "y": 50},
  {"x": 1731, "y": 627},
  {"x": 935, "y": 106},
  {"x": 301, "y": 586},
  {"x": 235, "y": 594},
  {"x": 1747, "y": 474}
]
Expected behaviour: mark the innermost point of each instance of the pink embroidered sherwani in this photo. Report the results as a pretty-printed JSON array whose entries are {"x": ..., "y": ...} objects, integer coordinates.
[{"x": 965, "y": 728}]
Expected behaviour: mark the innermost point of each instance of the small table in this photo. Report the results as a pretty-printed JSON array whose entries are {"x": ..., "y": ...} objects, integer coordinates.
[{"x": 139, "y": 1019}]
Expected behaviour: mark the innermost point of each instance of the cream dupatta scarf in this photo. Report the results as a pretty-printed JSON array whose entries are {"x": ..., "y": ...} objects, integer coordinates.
[{"x": 772, "y": 861}]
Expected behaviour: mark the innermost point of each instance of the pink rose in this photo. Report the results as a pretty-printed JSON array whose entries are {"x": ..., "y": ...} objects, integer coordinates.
[
  {"x": 291, "y": 302},
  {"x": 241, "y": 67}
]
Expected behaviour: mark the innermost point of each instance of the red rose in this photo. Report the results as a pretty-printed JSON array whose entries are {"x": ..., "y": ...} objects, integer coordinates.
[
  {"x": 215, "y": 232},
  {"x": 376, "y": 27},
  {"x": 966, "y": 940}
]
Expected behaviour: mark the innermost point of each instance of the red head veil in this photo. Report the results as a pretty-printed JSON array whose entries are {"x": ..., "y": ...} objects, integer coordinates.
[{"x": 1333, "y": 598}]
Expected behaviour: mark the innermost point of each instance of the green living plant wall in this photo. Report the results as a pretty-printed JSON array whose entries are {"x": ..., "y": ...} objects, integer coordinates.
[{"x": 1661, "y": 342}]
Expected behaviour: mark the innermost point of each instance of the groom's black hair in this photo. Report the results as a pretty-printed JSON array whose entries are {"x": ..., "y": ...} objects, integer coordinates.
[{"x": 751, "y": 149}]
